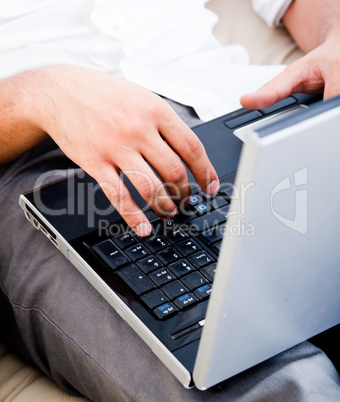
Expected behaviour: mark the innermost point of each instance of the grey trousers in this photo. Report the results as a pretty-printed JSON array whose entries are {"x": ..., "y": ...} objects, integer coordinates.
[{"x": 51, "y": 314}]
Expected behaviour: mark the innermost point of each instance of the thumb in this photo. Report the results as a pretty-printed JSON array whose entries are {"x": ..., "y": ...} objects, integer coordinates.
[
  {"x": 332, "y": 82},
  {"x": 290, "y": 80}
]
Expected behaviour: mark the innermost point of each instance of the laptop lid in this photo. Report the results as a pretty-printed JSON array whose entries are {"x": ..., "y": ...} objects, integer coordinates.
[{"x": 278, "y": 276}]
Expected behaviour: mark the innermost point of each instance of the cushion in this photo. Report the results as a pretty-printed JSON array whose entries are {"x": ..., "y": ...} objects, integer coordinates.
[{"x": 21, "y": 382}]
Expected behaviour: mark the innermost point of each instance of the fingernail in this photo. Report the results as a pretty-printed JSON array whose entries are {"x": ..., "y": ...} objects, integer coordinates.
[
  {"x": 187, "y": 202},
  {"x": 143, "y": 229},
  {"x": 172, "y": 214},
  {"x": 213, "y": 187}
]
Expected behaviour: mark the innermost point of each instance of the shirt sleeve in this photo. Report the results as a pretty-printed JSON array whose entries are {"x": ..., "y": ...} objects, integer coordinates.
[{"x": 271, "y": 11}]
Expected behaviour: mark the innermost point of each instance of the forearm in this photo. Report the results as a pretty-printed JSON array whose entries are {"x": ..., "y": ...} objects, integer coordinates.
[
  {"x": 18, "y": 133},
  {"x": 311, "y": 22},
  {"x": 315, "y": 26}
]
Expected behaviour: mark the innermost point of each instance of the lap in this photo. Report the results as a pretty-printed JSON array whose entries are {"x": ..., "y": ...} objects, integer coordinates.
[{"x": 77, "y": 339}]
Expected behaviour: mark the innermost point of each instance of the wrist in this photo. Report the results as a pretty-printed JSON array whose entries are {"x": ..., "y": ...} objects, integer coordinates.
[
  {"x": 310, "y": 22},
  {"x": 18, "y": 130},
  {"x": 35, "y": 99}
]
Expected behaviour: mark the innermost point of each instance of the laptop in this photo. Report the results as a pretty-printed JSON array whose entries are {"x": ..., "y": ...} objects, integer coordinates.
[{"x": 236, "y": 278}]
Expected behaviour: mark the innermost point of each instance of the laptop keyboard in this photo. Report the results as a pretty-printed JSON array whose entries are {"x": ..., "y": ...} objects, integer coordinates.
[{"x": 173, "y": 268}]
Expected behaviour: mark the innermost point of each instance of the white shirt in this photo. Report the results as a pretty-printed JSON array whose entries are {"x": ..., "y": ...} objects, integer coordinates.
[
  {"x": 164, "y": 45},
  {"x": 271, "y": 11}
]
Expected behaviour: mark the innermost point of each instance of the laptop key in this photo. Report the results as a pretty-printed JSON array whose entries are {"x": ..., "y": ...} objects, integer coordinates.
[
  {"x": 168, "y": 229},
  {"x": 202, "y": 208},
  {"x": 213, "y": 235},
  {"x": 207, "y": 197},
  {"x": 203, "y": 292},
  {"x": 162, "y": 276},
  {"x": 195, "y": 200},
  {"x": 188, "y": 246},
  {"x": 185, "y": 215},
  {"x": 194, "y": 280},
  {"x": 174, "y": 289},
  {"x": 209, "y": 271},
  {"x": 279, "y": 105},
  {"x": 207, "y": 221},
  {"x": 185, "y": 301},
  {"x": 165, "y": 310},
  {"x": 154, "y": 298},
  {"x": 178, "y": 235},
  {"x": 136, "y": 279},
  {"x": 181, "y": 267},
  {"x": 156, "y": 243},
  {"x": 243, "y": 119},
  {"x": 201, "y": 259},
  {"x": 125, "y": 240},
  {"x": 149, "y": 264},
  {"x": 169, "y": 255},
  {"x": 218, "y": 202},
  {"x": 137, "y": 252},
  {"x": 227, "y": 192},
  {"x": 111, "y": 254},
  {"x": 217, "y": 247}
]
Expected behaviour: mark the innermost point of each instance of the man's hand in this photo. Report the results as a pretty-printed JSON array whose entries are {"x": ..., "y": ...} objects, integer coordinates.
[
  {"x": 317, "y": 72},
  {"x": 315, "y": 26},
  {"x": 108, "y": 125}
]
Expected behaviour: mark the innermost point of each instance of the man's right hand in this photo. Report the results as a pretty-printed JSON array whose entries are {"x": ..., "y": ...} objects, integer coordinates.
[{"x": 108, "y": 125}]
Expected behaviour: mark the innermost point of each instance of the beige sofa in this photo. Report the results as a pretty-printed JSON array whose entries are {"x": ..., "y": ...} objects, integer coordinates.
[{"x": 20, "y": 381}]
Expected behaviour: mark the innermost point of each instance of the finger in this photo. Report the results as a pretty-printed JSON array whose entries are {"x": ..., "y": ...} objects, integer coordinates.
[
  {"x": 302, "y": 76},
  {"x": 117, "y": 193},
  {"x": 332, "y": 82},
  {"x": 149, "y": 187},
  {"x": 281, "y": 86},
  {"x": 190, "y": 149},
  {"x": 170, "y": 168}
]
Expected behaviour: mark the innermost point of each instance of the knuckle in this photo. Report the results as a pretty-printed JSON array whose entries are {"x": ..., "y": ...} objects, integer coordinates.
[
  {"x": 193, "y": 149},
  {"x": 155, "y": 106},
  {"x": 119, "y": 198},
  {"x": 163, "y": 206},
  {"x": 147, "y": 188},
  {"x": 176, "y": 172},
  {"x": 167, "y": 205},
  {"x": 159, "y": 106},
  {"x": 203, "y": 173},
  {"x": 115, "y": 190}
]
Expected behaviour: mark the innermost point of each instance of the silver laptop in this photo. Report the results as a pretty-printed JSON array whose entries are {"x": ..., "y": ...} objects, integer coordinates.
[{"x": 236, "y": 278}]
